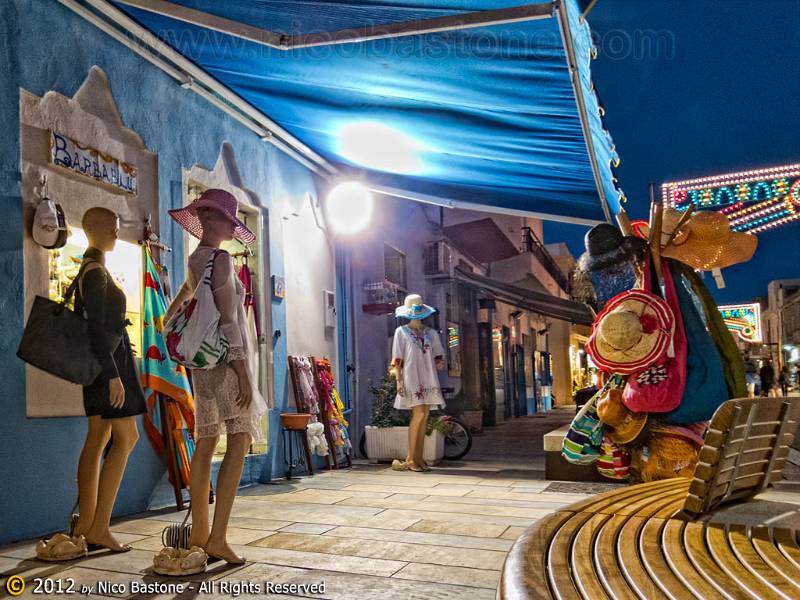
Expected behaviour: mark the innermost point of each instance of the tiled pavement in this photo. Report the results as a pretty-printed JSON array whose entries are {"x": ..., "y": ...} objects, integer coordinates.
[{"x": 366, "y": 532}]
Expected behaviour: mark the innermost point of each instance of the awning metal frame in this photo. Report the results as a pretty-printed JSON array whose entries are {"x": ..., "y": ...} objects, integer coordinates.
[{"x": 285, "y": 41}]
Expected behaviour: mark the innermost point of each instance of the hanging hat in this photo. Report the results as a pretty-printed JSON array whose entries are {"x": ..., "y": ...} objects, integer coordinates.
[
  {"x": 606, "y": 246},
  {"x": 631, "y": 333},
  {"x": 413, "y": 308},
  {"x": 624, "y": 426},
  {"x": 711, "y": 244},
  {"x": 50, "y": 225},
  {"x": 670, "y": 220},
  {"x": 219, "y": 200}
]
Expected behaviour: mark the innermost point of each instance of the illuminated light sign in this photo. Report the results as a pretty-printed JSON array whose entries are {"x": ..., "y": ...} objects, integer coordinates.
[
  {"x": 744, "y": 320},
  {"x": 754, "y": 201}
]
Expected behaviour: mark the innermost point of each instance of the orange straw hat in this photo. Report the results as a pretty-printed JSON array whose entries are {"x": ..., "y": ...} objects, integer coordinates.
[
  {"x": 631, "y": 333},
  {"x": 711, "y": 244},
  {"x": 625, "y": 426}
]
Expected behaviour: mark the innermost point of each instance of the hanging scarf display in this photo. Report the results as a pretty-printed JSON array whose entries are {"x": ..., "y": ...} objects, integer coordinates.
[
  {"x": 334, "y": 409},
  {"x": 162, "y": 378},
  {"x": 250, "y": 301}
]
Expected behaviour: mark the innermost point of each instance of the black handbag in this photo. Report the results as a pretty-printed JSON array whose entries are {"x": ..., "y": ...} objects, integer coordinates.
[{"x": 56, "y": 339}]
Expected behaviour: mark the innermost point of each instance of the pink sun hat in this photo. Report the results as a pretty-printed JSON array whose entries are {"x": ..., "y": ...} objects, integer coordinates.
[{"x": 219, "y": 200}]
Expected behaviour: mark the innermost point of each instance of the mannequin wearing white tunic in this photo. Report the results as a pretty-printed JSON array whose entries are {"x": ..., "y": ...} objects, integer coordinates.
[{"x": 417, "y": 353}]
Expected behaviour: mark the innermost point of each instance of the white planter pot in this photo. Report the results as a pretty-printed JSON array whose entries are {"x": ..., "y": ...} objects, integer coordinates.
[{"x": 388, "y": 443}]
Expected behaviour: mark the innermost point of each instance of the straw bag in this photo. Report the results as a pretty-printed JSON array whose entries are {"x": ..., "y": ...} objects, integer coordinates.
[{"x": 193, "y": 336}]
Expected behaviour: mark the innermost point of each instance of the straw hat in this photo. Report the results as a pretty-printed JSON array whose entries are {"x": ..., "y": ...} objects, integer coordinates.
[
  {"x": 710, "y": 243},
  {"x": 413, "y": 308},
  {"x": 219, "y": 200},
  {"x": 625, "y": 425},
  {"x": 631, "y": 333},
  {"x": 670, "y": 220}
]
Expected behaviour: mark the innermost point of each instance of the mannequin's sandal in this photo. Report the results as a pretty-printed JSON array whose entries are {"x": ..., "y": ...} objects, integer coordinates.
[
  {"x": 61, "y": 547},
  {"x": 178, "y": 562}
]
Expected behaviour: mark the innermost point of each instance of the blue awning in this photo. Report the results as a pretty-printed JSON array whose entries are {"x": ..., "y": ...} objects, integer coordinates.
[{"x": 489, "y": 113}]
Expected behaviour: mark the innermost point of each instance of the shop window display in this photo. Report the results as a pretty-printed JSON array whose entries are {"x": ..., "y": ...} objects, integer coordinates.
[{"x": 125, "y": 265}]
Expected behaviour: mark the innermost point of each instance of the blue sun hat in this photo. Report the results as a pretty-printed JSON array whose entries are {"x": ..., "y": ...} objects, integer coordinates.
[{"x": 413, "y": 308}]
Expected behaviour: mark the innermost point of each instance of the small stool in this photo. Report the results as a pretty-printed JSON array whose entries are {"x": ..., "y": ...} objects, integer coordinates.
[{"x": 294, "y": 427}]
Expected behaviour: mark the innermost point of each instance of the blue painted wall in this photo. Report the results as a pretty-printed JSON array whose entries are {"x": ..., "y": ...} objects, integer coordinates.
[{"x": 45, "y": 46}]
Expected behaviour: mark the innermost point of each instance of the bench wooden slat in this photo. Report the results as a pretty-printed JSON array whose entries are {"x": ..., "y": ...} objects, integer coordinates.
[
  {"x": 630, "y": 563},
  {"x": 787, "y": 544},
  {"x": 744, "y": 551},
  {"x": 605, "y": 559},
  {"x": 581, "y": 559},
  {"x": 600, "y": 502},
  {"x": 698, "y": 553},
  {"x": 527, "y": 560},
  {"x": 762, "y": 542},
  {"x": 672, "y": 488},
  {"x": 721, "y": 551},
  {"x": 672, "y": 536},
  {"x": 652, "y": 555},
  {"x": 559, "y": 569}
]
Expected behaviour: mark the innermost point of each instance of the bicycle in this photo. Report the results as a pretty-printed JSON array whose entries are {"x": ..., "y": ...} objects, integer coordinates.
[{"x": 457, "y": 437}]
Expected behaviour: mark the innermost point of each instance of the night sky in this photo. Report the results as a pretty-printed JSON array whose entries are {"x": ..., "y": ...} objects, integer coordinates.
[{"x": 717, "y": 91}]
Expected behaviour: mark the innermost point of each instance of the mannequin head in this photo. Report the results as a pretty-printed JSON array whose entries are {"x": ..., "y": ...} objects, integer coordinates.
[
  {"x": 102, "y": 228},
  {"x": 217, "y": 227}
]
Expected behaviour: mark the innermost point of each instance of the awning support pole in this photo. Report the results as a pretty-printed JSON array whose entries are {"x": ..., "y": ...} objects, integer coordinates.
[{"x": 574, "y": 71}]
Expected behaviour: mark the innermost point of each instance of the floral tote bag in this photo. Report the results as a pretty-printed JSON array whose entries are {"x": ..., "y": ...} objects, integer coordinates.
[{"x": 193, "y": 336}]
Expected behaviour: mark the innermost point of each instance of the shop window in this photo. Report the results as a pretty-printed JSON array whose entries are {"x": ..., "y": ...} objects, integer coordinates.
[
  {"x": 124, "y": 264},
  {"x": 394, "y": 266}
]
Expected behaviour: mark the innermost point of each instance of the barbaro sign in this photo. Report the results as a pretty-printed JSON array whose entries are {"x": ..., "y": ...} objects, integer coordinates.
[{"x": 90, "y": 162}]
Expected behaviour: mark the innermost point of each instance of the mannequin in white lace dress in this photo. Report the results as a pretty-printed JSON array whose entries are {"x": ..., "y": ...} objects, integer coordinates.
[{"x": 226, "y": 397}]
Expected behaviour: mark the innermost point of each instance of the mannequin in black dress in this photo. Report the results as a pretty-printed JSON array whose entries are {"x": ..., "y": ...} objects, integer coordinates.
[{"x": 115, "y": 398}]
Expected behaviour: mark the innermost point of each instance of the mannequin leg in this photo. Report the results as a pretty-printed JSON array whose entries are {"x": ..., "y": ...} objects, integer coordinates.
[
  {"x": 418, "y": 419},
  {"x": 97, "y": 437},
  {"x": 199, "y": 486},
  {"x": 419, "y": 457},
  {"x": 230, "y": 474},
  {"x": 125, "y": 438}
]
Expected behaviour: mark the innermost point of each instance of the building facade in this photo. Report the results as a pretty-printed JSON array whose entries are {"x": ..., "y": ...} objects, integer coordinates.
[
  {"x": 66, "y": 78},
  {"x": 485, "y": 274},
  {"x": 781, "y": 321}
]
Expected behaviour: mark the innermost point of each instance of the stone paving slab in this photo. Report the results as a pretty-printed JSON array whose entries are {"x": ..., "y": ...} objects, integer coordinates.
[
  {"x": 367, "y": 532},
  {"x": 392, "y": 550},
  {"x": 415, "y": 537}
]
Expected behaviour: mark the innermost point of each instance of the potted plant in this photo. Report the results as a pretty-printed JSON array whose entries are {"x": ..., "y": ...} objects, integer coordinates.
[{"x": 387, "y": 437}]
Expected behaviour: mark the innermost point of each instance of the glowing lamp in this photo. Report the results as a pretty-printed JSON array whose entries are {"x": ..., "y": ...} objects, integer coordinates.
[{"x": 348, "y": 207}]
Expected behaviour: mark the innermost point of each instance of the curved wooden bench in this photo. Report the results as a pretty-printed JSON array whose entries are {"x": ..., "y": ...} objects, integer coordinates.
[{"x": 658, "y": 540}]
